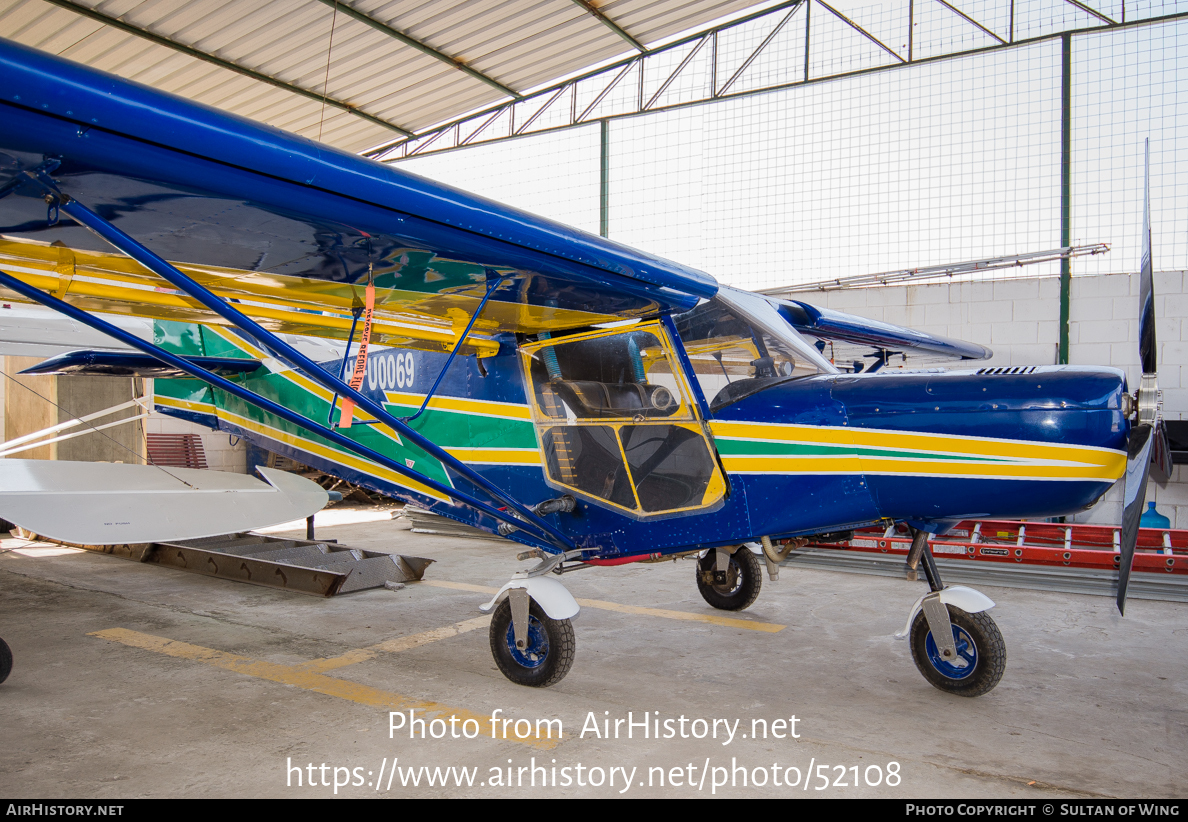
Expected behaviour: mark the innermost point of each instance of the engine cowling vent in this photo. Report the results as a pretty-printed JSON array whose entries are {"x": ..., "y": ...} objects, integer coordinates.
[{"x": 1007, "y": 369}]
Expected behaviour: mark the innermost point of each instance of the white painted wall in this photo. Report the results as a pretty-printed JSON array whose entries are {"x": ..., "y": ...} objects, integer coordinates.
[
  {"x": 223, "y": 452},
  {"x": 1019, "y": 320},
  {"x": 221, "y": 455}
]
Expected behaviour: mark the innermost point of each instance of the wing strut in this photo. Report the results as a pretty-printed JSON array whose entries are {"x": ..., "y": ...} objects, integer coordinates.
[
  {"x": 493, "y": 282},
  {"x": 263, "y": 403},
  {"x": 285, "y": 352}
]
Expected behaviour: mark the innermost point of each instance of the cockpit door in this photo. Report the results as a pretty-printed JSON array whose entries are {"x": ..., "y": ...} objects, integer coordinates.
[{"x": 617, "y": 422}]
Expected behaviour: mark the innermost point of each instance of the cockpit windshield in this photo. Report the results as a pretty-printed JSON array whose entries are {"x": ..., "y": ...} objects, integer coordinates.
[{"x": 739, "y": 344}]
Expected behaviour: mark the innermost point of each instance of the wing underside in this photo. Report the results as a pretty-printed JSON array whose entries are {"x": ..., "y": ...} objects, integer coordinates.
[{"x": 288, "y": 229}]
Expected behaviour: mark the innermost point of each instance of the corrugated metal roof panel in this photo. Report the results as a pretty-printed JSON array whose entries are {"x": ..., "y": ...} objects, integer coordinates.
[{"x": 520, "y": 44}]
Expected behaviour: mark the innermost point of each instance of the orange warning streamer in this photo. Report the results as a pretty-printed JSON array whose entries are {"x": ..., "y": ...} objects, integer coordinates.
[{"x": 348, "y": 405}]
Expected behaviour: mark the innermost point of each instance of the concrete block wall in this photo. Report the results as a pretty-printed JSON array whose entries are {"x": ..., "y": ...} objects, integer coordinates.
[{"x": 1019, "y": 319}]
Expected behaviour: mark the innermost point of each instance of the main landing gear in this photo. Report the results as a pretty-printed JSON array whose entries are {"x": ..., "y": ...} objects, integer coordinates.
[
  {"x": 544, "y": 652},
  {"x": 729, "y": 578},
  {"x": 955, "y": 643},
  {"x": 531, "y": 631}
]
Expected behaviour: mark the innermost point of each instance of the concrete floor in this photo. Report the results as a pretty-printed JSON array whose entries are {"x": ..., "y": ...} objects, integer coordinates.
[{"x": 1091, "y": 704}]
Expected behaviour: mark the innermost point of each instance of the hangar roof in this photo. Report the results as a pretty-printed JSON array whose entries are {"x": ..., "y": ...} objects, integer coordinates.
[{"x": 352, "y": 73}]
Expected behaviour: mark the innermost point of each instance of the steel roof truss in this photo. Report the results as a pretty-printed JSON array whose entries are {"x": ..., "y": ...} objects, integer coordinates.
[
  {"x": 863, "y": 31},
  {"x": 78, "y": 8},
  {"x": 688, "y": 59},
  {"x": 412, "y": 42},
  {"x": 609, "y": 23},
  {"x": 969, "y": 19},
  {"x": 746, "y": 63}
]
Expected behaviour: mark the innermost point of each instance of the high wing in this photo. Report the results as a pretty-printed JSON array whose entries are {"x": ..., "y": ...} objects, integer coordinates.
[{"x": 288, "y": 228}]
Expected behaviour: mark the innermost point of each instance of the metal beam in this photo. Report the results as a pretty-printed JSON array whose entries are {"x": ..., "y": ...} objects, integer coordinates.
[
  {"x": 609, "y": 23},
  {"x": 860, "y": 30},
  {"x": 1094, "y": 12},
  {"x": 664, "y": 86},
  {"x": 558, "y": 90},
  {"x": 116, "y": 23},
  {"x": 935, "y": 272},
  {"x": 969, "y": 19},
  {"x": 604, "y": 179},
  {"x": 411, "y": 42},
  {"x": 747, "y": 63},
  {"x": 1065, "y": 191}
]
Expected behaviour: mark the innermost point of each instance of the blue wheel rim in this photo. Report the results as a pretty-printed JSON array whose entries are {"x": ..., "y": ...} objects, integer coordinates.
[
  {"x": 967, "y": 655},
  {"x": 536, "y": 651}
]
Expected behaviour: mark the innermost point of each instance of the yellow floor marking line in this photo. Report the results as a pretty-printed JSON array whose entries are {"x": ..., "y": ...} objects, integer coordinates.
[
  {"x": 308, "y": 680},
  {"x": 460, "y": 586},
  {"x": 601, "y": 605},
  {"x": 396, "y": 645}
]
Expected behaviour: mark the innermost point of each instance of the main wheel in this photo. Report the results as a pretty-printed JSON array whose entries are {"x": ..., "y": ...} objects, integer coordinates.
[
  {"x": 548, "y": 655},
  {"x": 741, "y": 587},
  {"x": 5, "y": 660},
  {"x": 981, "y": 653}
]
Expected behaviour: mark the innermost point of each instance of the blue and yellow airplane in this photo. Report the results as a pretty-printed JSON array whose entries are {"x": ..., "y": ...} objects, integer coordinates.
[{"x": 594, "y": 403}]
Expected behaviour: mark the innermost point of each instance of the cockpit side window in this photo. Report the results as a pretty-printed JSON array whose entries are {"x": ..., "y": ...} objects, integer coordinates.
[
  {"x": 616, "y": 376},
  {"x": 734, "y": 354}
]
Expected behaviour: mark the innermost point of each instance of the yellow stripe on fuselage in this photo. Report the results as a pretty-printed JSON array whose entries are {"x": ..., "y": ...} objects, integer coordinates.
[
  {"x": 186, "y": 405},
  {"x": 496, "y": 456},
  {"x": 296, "y": 378},
  {"x": 484, "y": 408},
  {"x": 334, "y": 455},
  {"x": 981, "y": 457},
  {"x": 912, "y": 467}
]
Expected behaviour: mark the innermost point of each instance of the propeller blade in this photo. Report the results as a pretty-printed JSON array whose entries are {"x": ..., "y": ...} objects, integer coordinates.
[
  {"x": 1147, "y": 345},
  {"x": 1138, "y": 469}
]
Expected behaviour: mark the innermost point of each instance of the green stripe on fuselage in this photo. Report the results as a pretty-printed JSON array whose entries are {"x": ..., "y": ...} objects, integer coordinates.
[
  {"x": 761, "y": 448},
  {"x": 458, "y": 429}
]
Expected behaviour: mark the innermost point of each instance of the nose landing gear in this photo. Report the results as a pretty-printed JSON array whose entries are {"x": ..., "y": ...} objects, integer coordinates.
[
  {"x": 955, "y": 643},
  {"x": 979, "y": 659}
]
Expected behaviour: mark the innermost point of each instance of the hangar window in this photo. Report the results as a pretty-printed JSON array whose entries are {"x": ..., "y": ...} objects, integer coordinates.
[{"x": 616, "y": 422}]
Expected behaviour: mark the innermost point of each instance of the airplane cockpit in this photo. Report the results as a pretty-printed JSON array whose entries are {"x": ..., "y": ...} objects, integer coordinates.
[
  {"x": 616, "y": 421},
  {"x": 616, "y": 416}
]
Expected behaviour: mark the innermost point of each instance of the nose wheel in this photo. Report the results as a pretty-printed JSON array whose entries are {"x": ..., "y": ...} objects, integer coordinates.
[{"x": 980, "y": 657}]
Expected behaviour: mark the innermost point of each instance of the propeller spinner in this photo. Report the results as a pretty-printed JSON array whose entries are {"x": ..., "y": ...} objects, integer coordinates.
[{"x": 1148, "y": 436}]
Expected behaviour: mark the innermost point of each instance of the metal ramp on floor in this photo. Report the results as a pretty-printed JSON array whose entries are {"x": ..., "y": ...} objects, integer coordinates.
[{"x": 319, "y": 567}]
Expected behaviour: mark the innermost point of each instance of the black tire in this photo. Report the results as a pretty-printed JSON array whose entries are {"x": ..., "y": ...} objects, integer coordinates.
[
  {"x": 744, "y": 578},
  {"x": 987, "y": 657},
  {"x": 534, "y": 668},
  {"x": 5, "y": 660}
]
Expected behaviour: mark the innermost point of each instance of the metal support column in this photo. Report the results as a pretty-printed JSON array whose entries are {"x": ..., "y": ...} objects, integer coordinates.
[
  {"x": 1065, "y": 189},
  {"x": 604, "y": 177},
  {"x": 808, "y": 12}
]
